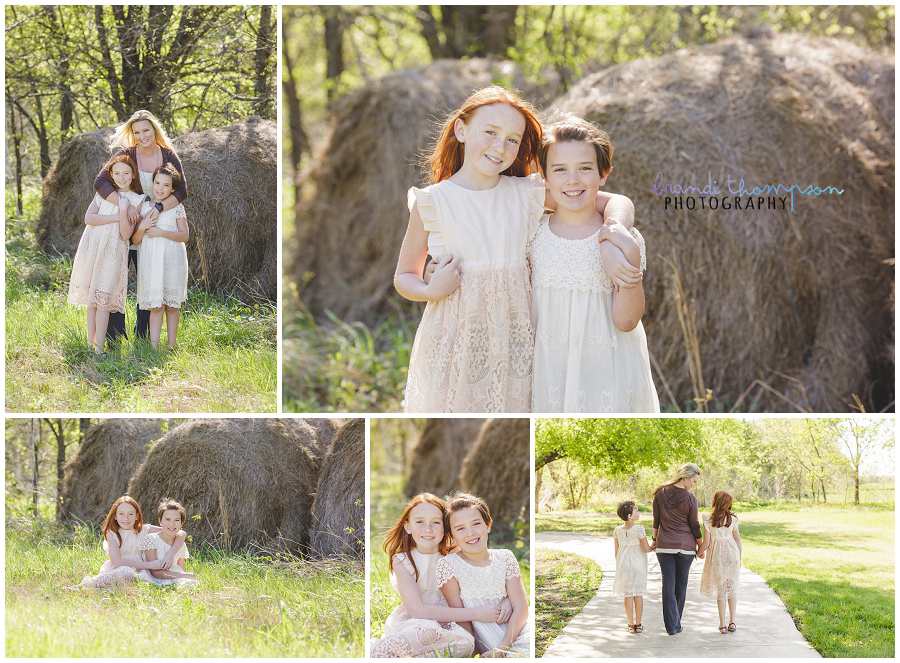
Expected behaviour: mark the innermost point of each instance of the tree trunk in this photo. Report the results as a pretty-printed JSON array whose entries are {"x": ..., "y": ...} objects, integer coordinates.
[
  {"x": 334, "y": 47},
  {"x": 34, "y": 470},
  {"x": 261, "y": 60},
  {"x": 17, "y": 151}
]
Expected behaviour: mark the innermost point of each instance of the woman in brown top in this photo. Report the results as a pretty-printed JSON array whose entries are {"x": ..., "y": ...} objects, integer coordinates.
[
  {"x": 146, "y": 143},
  {"x": 676, "y": 531}
]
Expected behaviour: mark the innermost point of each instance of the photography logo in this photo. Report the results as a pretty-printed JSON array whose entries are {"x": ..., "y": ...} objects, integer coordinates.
[{"x": 734, "y": 195}]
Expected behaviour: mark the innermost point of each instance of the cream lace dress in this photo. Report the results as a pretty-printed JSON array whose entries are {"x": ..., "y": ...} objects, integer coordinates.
[
  {"x": 128, "y": 550},
  {"x": 722, "y": 566},
  {"x": 486, "y": 585},
  {"x": 405, "y": 637},
  {"x": 155, "y": 542},
  {"x": 473, "y": 349},
  {"x": 100, "y": 269},
  {"x": 631, "y": 562},
  {"x": 582, "y": 362},
  {"x": 163, "y": 273}
]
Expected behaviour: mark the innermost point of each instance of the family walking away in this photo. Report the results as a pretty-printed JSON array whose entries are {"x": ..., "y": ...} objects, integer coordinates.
[
  {"x": 137, "y": 201},
  {"x": 482, "y": 219},
  {"x": 458, "y": 597}
]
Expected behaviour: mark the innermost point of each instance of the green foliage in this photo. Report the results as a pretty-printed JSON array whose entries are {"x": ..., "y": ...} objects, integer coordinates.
[{"x": 563, "y": 584}]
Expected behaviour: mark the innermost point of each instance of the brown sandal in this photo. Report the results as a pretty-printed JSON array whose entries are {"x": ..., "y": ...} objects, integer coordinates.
[
  {"x": 723, "y": 630},
  {"x": 631, "y": 628},
  {"x": 732, "y": 627},
  {"x": 638, "y": 628}
]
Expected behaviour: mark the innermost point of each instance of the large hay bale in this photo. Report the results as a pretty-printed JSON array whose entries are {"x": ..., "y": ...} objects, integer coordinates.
[
  {"x": 804, "y": 293},
  {"x": 498, "y": 469},
  {"x": 339, "y": 510},
  {"x": 349, "y": 232},
  {"x": 437, "y": 455},
  {"x": 250, "y": 481},
  {"x": 98, "y": 474},
  {"x": 231, "y": 204},
  {"x": 315, "y": 434}
]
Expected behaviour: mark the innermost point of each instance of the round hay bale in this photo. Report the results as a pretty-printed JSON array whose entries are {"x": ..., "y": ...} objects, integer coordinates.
[
  {"x": 437, "y": 455},
  {"x": 339, "y": 510},
  {"x": 249, "y": 480},
  {"x": 498, "y": 469},
  {"x": 316, "y": 433},
  {"x": 98, "y": 474},
  {"x": 349, "y": 229},
  {"x": 231, "y": 204},
  {"x": 799, "y": 300}
]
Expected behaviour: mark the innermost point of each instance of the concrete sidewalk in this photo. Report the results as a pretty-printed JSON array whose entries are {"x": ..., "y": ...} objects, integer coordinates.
[{"x": 764, "y": 627}]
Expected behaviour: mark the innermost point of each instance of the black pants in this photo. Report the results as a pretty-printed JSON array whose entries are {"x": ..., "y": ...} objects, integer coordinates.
[
  {"x": 675, "y": 568},
  {"x": 116, "y": 326}
]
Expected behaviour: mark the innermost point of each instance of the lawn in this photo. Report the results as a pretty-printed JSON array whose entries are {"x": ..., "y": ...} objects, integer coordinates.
[
  {"x": 832, "y": 566},
  {"x": 564, "y": 583},
  {"x": 245, "y": 606}
]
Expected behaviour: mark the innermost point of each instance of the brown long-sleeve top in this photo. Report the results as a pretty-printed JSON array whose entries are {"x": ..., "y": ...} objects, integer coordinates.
[
  {"x": 675, "y": 516},
  {"x": 104, "y": 187}
]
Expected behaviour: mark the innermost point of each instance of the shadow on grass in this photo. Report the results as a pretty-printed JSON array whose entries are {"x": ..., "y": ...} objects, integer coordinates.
[{"x": 125, "y": 361}]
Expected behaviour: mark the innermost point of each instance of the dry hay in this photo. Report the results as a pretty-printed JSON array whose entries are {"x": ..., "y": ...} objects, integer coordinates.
[
  {"x": 315, "y": 434},
  {"x": 339, "y": 511},
  {"x": 498, "y": 469},
  {"x": 98, "y": 474},
  {"x": 249, "y": 480},
  {"x": 769, "y": 110},
  {"x": 437, "y": 455},
  {"x": 231, "y": 205},
  {"x": 349, "y": 232}
]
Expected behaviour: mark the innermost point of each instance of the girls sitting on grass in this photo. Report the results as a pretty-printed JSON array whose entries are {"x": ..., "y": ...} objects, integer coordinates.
[
  {"x": 630, "y": 541},
  {"x": 723, "y": 563},
  {"x": 162, "y": 545}
]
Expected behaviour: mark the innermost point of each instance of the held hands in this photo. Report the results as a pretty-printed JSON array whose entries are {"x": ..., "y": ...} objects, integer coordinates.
[
  {"x": 489, "y": 613},
  {"x": 622, "y": 273},
  {"x": 133, "y": 214},
  {"x": 505, "y": 611},
  {"x": 445, "y": 279},
  {"x": 156, "y": 565}
]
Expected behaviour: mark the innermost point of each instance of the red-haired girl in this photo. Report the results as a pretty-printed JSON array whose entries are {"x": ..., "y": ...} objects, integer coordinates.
[
  {"x": 723, "y": 563},
  {"x": 122, "y": 529},
  {"x": 473, "y": 349},
  {"x": 100, "y": 270},
  {"x": 423, "y": 624}
]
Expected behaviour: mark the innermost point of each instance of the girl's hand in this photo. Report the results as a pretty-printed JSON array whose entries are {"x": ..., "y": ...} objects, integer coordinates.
[
  {"x": 505, "y": 611},
  {"x": 622, "y": 273},
  {"x": 488, "y": 613},
  {"x": 153, "y": 231},
  {"x": 156, "y": 565},
  {"x": 133, "y": 214},
  {"x": 147, "y": 223},
  {"x": 445, "y": 279},
  {"x": 153, "y": 214}
]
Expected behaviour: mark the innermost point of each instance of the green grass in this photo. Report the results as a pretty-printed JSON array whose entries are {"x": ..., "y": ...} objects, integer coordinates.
[
  {"x": 226, "y": 359},
  {"x": 244, "y": 606},
  {"x": 564, "y": 583},
  {"x": 832, "y": 566}
]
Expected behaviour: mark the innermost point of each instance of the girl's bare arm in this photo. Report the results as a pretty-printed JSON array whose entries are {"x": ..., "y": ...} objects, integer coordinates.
[{"x": 411, "y": 596}]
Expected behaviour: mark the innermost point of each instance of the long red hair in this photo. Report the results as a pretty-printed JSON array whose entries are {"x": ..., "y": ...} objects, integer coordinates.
[
  {"x": 721, "y": 510},
  {"x": 447, "y": 155},
  {"x": 110, "y": 524},
  {"x": 398, "y": 540},
  {"x": 135, "y": 185}
]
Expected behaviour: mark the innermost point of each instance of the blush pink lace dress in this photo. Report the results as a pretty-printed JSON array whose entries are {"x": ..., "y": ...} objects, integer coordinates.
[
  {"x": 108, "y": 576},
  {"x": 473, "y": 349},
  {"x": 722, "y": 566},
  {"x": 631, "y": 562},
  {"x": 405, "y": 637}
]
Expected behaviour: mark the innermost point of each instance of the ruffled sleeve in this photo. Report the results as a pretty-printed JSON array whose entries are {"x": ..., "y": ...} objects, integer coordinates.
[
  {"x": 179, "y": 212},
  {"x": 182, "y": 552},
  {"x": 512, "y": 564},
  {"x": 705, "y": 516},
  {"x": 535, "y": 193},
  {"x": 428, "y": 213},
  {"x": 146, "y": 541},
  {"x": 444, "y": 571},
  {"x": 640, "y": 240},
  {"x": 640, "y": 532}
]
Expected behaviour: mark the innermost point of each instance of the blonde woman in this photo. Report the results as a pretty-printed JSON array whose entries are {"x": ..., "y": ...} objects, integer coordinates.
[{"x": 142, "y": 139}]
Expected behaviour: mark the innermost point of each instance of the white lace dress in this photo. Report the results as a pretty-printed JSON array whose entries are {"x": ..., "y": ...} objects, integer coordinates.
[
  {"x": 722, "y": 566},
  {"x": 405, "y": 637},
  {"x": 473, "y": 349},
  {"x": 486, "y": 585},
  {"x": 155, "y": 542},
  {"x": 582, "y": 362},
  {"x": 100, "y": 269},
  {"x": 631, "y": 562},
  {"x": 108, "y": 576},
  {"x": 163, "y": 272}
]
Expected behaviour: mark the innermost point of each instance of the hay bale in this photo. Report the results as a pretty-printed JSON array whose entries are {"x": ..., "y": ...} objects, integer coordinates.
[
  {"x": 316, "y": 433},
  {"x": 437, "y": 455},
  {"x": 766, "y": 286},
  {"x": 99, "y": 472},
  {"x": 498, "y": 469},
  {"x": 349, "y": 229},
  {"x": 249, "y": 480},
  {"x": 339, "y": 510},
  {"x": 231, "y": 204}
]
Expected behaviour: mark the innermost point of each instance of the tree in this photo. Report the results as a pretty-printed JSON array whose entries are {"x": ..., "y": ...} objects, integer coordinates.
[{"x": 861, "y": 437}]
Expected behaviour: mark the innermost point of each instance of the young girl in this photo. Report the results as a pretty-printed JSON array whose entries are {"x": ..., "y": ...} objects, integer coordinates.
[
  {"x": 100, "y": 269},
  {"x": 473, "y": 349},
  {"x": 162, "y": 278},
  {"x": 590, "y": 351},
  {"x": 722, "y": 569},
  {"x": 423, "y": 624},
  {"x": 165, "y": 544},
  {"x": 478, "y": 576},
  {"x": 631, "y": 548},
  {"x": 123, "y": 528}
]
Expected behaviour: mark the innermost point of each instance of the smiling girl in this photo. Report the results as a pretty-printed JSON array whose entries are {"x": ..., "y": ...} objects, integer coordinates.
[{"x": 166, "y": 544}]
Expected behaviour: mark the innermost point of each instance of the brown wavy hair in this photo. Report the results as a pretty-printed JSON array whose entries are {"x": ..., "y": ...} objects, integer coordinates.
[
  {"x": 448, "y": 153},
  {"x": 110, "y": 524},
  {"x": 168, "y": 504},
  {"x": 459, "y": 501},
  {"x": 171, "y": 171},
  {"x": 721, "y": 510},
  {"x": 398, "y": 540},
  {"x": 128, "y": 161},
  {"x": 572, "y": 129}
]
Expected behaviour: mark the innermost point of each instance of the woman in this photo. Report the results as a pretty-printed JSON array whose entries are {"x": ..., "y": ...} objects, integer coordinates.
[
  {"x": 676, "y": 531},
  {"x": 145, "y": 141}
]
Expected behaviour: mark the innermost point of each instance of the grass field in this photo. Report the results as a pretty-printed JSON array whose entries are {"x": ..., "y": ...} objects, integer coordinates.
[
  {"x": 832, "y": 566},
  {"x": 244, "y": 606},
  {"x": 564, "y": 583},
  {"x": 226, "y": 360}
]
